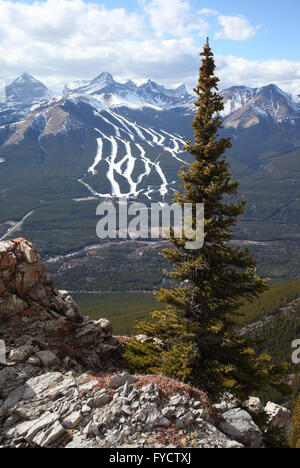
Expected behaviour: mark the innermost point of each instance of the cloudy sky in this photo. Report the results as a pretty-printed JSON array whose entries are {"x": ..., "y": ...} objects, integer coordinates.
[{"x": 255, "y": 41}]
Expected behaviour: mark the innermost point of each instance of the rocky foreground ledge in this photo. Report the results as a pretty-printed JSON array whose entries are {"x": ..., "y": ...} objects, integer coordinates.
[{"x": 62, "y": 385}]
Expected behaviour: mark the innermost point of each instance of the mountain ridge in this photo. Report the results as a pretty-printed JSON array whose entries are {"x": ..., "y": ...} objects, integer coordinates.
[
  {"x": 243, "y": 106},
  {"x": 134, "y": 95}
]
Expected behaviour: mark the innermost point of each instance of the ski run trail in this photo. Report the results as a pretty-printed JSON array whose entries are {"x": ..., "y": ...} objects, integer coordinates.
[{"x": 130, "y": 140}]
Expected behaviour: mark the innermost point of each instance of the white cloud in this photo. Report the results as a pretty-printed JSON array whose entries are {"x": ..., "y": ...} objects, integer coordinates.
[
  {"x": 60, "y": 20},
  {"x": 208, "y": 12},
  {"x": 52, "y": 36},
  {"x": 235, "y": 28},
  {"x": 174, "y": 17},
  {"x": 62, "y": 40},
  {"x": 239, "y": 71}
]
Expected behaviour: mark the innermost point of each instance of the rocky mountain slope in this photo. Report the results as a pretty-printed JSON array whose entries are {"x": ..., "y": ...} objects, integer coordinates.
[
  {"x": 61, "y": 384},
  {"x": 245, "y": 107},
  {"x": 128, "y": 137},
  {"x": 129, "y": 158}
]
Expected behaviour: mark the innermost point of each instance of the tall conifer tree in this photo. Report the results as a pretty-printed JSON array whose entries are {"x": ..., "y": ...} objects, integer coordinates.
[{"x": 197, "y": 327}]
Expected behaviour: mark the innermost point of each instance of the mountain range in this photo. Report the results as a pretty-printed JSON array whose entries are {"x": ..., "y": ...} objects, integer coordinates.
[
  {"x": 59, "y": 154},
  {"x": 139, "y": 130},
  {"x": 243, "y": 106}
]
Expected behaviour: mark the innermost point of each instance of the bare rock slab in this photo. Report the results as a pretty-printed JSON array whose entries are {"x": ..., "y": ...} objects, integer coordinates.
[
  {"x": 48, "y": 358},
  {"x": 239, "y": 425},
  {"x": 121, "y": 379}
]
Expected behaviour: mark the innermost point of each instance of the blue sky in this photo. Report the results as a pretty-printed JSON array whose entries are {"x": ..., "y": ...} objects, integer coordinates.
[
  {"x": 277, "y": 38},
  {"x": 255, "y": 42}
]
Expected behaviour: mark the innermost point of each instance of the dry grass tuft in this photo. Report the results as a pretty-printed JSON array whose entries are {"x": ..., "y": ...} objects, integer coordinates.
[
  {"x": 170, "y": 436},
  {"x": 103, "y": 382},
  {"x": 170, "y": 387},
  {"x": 167, "y": 386}
]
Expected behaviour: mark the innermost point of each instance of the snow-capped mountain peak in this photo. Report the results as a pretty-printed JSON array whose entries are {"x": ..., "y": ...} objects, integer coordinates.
[
  {"x": 103, "y": 79},
  {"x": 129, "y": 94},
  {"x": 236, "y": 98},
  {"x": 181, "y": 90},
  {"x": 25, "y": 78},
  {"x": 25, "y": 91},
  {"x": 130, "y": 84},
  {"x": 245, "y": 106}
]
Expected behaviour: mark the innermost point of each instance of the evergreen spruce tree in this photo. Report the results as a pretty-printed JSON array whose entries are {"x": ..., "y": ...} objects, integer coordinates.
[{"x": 197, "y": 326}]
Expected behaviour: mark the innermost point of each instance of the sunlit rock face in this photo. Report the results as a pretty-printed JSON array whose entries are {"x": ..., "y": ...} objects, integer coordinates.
[{"x": 44, "y": 320}]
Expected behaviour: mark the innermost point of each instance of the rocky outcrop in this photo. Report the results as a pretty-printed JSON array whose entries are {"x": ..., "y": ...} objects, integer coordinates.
[
  {"x": 238, "y": 424},
  {"x": 67, "y": 410},
  {"x": 41, "y": 325},
  {"x": 56, "y": 410},
  {"x": 60, "y": 385},
  {"x": 279, "y": 417}
]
